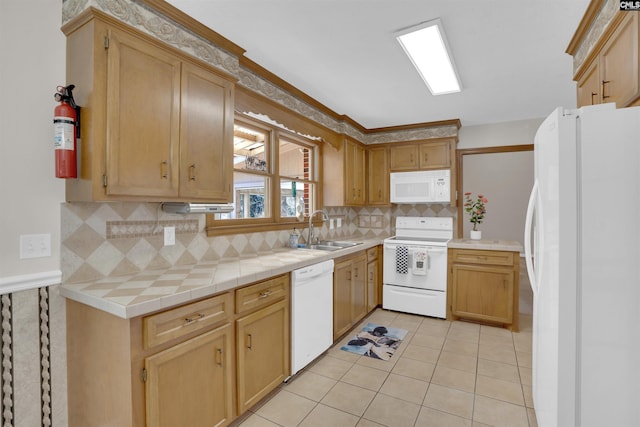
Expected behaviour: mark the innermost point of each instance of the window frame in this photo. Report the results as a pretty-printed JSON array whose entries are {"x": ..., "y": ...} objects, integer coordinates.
[{"x": 273, "y": 135}]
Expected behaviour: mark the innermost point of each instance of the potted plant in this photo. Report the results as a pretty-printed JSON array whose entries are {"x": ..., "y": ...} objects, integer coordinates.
[{"x": 476, "y": 209}]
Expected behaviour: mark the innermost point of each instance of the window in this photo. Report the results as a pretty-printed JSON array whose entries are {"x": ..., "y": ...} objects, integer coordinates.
[{"x": 275, "y": 178}]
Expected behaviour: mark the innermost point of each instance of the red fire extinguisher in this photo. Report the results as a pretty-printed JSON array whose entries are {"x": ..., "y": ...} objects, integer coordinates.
[{"x": 66, "y": 122}]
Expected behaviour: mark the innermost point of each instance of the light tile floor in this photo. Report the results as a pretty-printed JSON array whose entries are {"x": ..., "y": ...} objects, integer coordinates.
[{"x": 443, "y": 374}]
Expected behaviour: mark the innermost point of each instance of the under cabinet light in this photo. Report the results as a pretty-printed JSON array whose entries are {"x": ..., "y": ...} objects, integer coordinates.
[{"x": 428, "y": 50}]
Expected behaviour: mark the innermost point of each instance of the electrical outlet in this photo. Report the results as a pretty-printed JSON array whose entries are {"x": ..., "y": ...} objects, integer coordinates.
[
  {"x": 339, "y": 222},
  {"x": 331, "y": 224},
  {"x": 35, "y": 246},
  {"x": 169, "y": 236}
]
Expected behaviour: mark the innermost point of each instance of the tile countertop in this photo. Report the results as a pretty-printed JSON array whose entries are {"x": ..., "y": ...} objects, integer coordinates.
[
  {"x": 147, "y": 291},
  {"x": 486, "y": 244}
]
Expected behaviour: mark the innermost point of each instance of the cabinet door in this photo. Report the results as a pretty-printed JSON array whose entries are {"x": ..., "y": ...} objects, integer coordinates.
[
  {"x": 358, "y": 289},
  {"x": 372, "y": 285},
  {"x": 403, "y": 157},
  {"x": 354, "y": 173},
  {"x": 589, "y": 86},
  {"x": 378, "y": 177},
  {"x": 619, "y": 63},
  {"x": 191, "y": 384},
  {"x": 341, "y": 298},
  {"x": 206, "y": 135},
  {"x": 263, "y": 353},
  {"x": 435, "y": 155},
  {"x": 143, "y": 118},
  {"x": 483, "y": 292}
]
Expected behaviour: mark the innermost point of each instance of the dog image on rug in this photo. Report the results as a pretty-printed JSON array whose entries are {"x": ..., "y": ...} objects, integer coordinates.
[{"x": 378, "y": 342}]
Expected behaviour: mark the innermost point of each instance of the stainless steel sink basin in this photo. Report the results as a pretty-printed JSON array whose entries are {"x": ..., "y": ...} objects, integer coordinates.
[{"x": 332, "y": 245}]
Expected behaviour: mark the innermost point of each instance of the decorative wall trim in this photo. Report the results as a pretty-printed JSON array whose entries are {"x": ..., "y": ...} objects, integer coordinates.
[
  {"x": 45, "y": 357},
  {"x": 154, "y": 23},
  {"x": 127, "y": 229},
  {"x": 7, "y": 361},
  {"x": 29, "y": 281}
]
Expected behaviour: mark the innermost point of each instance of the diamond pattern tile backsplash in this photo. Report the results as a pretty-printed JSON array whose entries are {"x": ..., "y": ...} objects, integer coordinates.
[{"x": 108, "y": 239}]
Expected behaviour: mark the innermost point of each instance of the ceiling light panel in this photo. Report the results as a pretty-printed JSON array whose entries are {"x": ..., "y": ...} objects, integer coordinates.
[{"x": 427, "y": 48}]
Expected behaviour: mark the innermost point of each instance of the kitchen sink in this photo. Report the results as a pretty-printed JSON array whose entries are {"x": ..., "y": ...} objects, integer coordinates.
[{"x": 332, "y": 245}]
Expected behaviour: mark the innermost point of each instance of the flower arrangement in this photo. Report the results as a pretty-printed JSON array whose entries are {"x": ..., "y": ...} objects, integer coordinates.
[{"x": 475, "y": 208}]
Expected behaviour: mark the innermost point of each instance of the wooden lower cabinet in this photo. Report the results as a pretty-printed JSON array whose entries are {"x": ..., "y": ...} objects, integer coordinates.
[
  {"x": 263, "y": 353},
  {"x": 349, "y": 293},
  {"x": 191, "y": 383},
  {"x": 484, "y": 286},
  {"x": 185, "y": 366}
]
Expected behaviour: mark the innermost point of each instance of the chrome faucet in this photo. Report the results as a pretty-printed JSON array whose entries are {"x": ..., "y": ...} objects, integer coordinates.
[{"x": 325, "y": 217}]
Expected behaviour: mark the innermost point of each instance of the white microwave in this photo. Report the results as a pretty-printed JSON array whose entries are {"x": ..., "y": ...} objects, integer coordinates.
[{"x": 432, "y": 186}]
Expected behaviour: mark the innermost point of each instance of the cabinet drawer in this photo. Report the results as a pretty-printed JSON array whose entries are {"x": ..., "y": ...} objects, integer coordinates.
[
  {"x": 168, "y": 325},
  {"x": 262, "y": 294},
  {"x": 372, "y": 254},
  {"x": 482, "y": 256}
]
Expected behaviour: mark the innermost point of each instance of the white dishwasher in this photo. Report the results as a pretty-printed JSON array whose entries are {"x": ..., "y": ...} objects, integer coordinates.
[{"x": 312, "y": 313}]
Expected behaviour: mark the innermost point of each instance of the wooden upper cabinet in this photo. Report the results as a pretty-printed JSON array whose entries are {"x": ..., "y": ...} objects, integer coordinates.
[
  {"x": 378, "y": 176},
  {"x": 156, "y": 124},
  {"x": 354, "y": 170},
  {"x": 589, "y": 86},
  {"x": 143, "y": 118},
  {"x": 403, "y": 157},
  {"x": 422, "y": 155},
  {"x": 619, "y": 63},
  {"x": 206, "y": 129},
  {"x": 611, "y": 72},
  {"x": 435, "y": 155},
  {"x": 344, "y": 174}
]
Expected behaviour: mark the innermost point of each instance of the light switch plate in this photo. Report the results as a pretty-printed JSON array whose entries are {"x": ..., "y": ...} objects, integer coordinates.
[
  {"x": 35, "y": 246},
  {"x": 169, "y": 236}
]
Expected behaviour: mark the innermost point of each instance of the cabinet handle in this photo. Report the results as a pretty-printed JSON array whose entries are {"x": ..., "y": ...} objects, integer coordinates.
[
  {"x": 592, "y": 95},
  {"x": 349, "y": 275},
  {"x": 426, "y": 157},
  {"x": 163, "y": 170},
  {"x": 265, "y": 294},
  {"x": 193, "y": 318},
  {"x": 192, "y": 172},
  {"x": 380, "y": 194},
  {"x": 249, "y": 343},
  {"x": 371, "y": 276},
  {"x": 356, "y": 274},
  {"x": 219, "y": 357},
  {"x": 411, "y": 157},
  {"x": 604, "y": 82}
]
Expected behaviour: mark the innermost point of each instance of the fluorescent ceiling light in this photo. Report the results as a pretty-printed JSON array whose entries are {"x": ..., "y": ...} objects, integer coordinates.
[{"x": 427, "y": 47}]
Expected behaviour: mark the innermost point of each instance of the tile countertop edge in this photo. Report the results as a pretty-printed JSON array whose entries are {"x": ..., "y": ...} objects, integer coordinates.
[
  {"x": 128, "y": 311},
  {"x": 488, "y": 244}
]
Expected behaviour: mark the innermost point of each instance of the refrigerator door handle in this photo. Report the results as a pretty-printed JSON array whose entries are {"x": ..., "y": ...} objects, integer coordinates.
[{"x": 528, "y": 228}]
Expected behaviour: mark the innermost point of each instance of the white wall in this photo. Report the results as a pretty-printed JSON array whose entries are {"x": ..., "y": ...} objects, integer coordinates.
[
  {"x": 504, "y": 178},
  {"x": 32, "y": 55}
]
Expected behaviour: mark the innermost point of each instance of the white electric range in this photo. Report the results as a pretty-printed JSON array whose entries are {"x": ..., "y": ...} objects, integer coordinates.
[{"x": 415, "y": 266}]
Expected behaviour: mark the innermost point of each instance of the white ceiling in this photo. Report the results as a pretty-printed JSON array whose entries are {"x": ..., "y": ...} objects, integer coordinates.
[{"x": 510, "y": 54}]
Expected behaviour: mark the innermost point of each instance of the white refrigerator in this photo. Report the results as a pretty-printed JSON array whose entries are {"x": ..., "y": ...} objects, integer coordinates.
[{"x": 582, "y": 244}]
